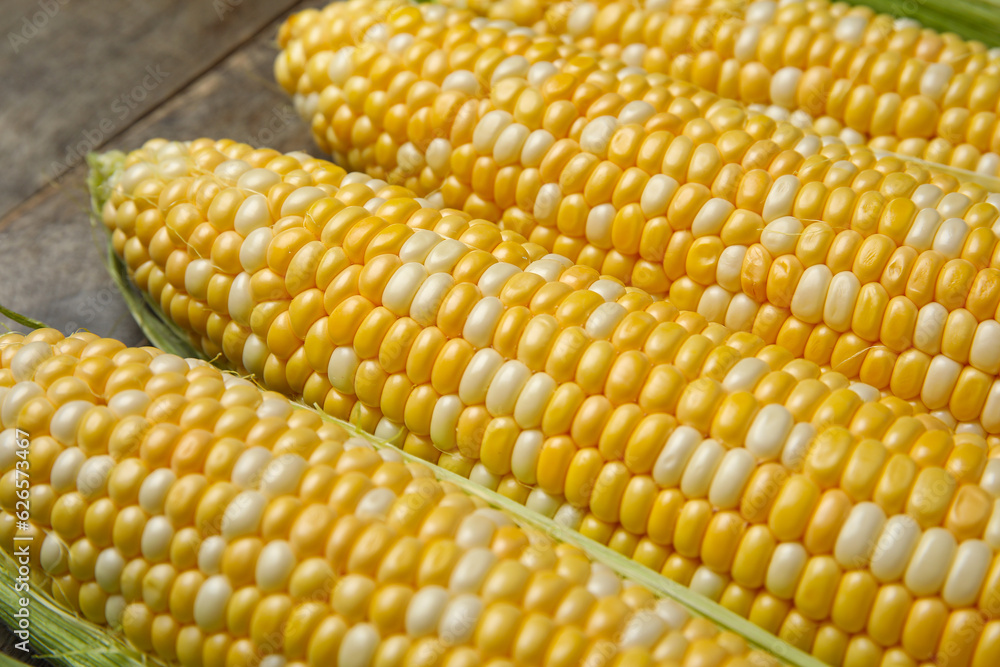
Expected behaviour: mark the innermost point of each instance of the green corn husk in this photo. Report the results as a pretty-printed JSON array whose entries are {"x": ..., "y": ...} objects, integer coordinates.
[
  {"x": 23, "y": 320},
  {"x": 971, "y": 19},
  {"x": 165, "y": 335},
  {"x": 58, "y": 636}
]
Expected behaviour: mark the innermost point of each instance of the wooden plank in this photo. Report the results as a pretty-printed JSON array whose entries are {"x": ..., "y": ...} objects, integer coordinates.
[
  {"x": 51, "y": 269},
  {"x": 84, "y": 74},
  {"x": 50, "y": 266}
]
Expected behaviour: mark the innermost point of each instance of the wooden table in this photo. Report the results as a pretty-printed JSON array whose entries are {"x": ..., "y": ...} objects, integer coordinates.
[{"x": 80, "y": 76}]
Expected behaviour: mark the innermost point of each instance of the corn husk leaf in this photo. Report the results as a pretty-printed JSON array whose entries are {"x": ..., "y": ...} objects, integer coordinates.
[
  {"x": 23, "y": 320},
  {"x": 972, "y": 19},
  {"x": 7, "y": 661},
  {"x": 58, "y": 636}
]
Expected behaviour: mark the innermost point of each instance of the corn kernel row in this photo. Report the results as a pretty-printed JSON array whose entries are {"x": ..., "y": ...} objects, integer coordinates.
[
  {"x": 912, "y": 89},
  {"x": 344, "y": 24},
  {"x": 520, "y": 12}
]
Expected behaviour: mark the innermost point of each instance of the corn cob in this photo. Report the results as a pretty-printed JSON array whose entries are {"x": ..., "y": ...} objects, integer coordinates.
[
  {"x": 889, "y": 284},
  {"x": 765, "y": 489},
  {"x": 914, "y": 90},
  {"x": 911, "y": 88},
  {"x": 347, "y": 25},
  {"x": 215, "y": 524}
]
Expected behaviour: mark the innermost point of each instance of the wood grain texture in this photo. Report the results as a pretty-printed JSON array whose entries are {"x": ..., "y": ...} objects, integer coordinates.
[
  {"x": 50, "y": 266},
  {"x": 77, "y": 73},
  {"x": 50, "y": 262}
]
